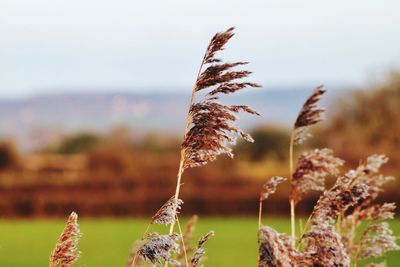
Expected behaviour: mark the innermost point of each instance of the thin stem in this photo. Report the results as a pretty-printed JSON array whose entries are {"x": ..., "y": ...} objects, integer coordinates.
[
  {"x": 293, "y": 222},
  {"x": 260, "y": 214},
  {"x": 301, "y": 226},
  {"x": 180, "y": 171},
  {"x": 292, "y": 205},
  {"x": 183, "y": 242},
  {"x": 259, "y": 227},
  {"x": 304, "y": 230}
]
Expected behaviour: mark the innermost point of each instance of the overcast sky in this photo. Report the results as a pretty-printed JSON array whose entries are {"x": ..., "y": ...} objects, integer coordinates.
[{"x": 54, "y": 45}]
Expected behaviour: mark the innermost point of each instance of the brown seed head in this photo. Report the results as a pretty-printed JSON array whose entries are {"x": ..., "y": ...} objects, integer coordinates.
[
  {"x": 212, "y": 131},
  {"x": 167, "y": 213},
  {"x": 312, "y": 169},
  {"x": 309, "y": 115},
  {"x": 66, "y": 253},
  {"x": 270, "y": 186}
]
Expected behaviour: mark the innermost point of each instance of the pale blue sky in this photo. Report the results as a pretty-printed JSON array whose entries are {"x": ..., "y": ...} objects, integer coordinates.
[{"x": 54, "y": 45}]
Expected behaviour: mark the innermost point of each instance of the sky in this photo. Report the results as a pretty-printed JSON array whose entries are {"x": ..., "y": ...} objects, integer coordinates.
[{"x": 52, "y": 46}]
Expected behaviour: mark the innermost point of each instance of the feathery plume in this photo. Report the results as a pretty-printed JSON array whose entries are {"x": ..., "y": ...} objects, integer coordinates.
[
  {"x": 200, "y": 251},
  {"x": 270, "y": 186},
  {"x": 324, "y": 248},
  {"x": 377, "y": 212},
  {"x": 211, "y": 130},
  {"x": 66, "y": 253},
  {"x": 157, "y": 248},
  {"x": 312, "y": 168},
  {"x": 373, "y": 213},
  {"x": 167, "y": 213},
  {"x": 309, "y": 115},
  {"x": 337, "y": 200},
  {"x": 275, "y": 249},
  {"x": 333, "y": 202},
  {"x": 367, "y": 174},
  {"x": 371, "y": 166},
  {"x": 376, "y": 240}
]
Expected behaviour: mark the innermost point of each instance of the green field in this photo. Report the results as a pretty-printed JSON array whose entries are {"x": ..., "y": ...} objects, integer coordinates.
[{"x": 107, "y": 242}]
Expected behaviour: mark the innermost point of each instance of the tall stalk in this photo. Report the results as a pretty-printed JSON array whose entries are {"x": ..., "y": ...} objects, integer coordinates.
[
  {"x": 187, "y": 125},
  {"x": 259, "y": 214},
  {"x": 209, "y": 128},
  {"x": 292, "y": 205}
]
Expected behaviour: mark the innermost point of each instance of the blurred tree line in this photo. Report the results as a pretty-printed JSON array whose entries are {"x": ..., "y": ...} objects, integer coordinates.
[
  {"x": 364, "y": 122},
  {"x": 121, "y": 173}
]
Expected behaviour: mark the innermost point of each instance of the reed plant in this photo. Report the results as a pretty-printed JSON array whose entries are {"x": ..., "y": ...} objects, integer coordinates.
[{"x": 210, "y": 131}]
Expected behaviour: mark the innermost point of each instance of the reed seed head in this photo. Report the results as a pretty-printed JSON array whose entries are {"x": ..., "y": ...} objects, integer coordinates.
[
  {"x": 200, "y": 251},
  {"x": 312, "y": 169},
  {"x": 310, "y": 114},
  {"x": 275, "y": 249},
  {"x": 337, "y": 200},
  {"x": 376, "y": 240},
  {"x": 66, "y": 253},
  {"x": 270, "y": 186},
  {"x": 211, "y": 131},
  {"x": 157, "y": 248},
  {"x": 324, "y": 248},
  {"x": 370, "y": 167},
  {"x": 167, "y": 213}
]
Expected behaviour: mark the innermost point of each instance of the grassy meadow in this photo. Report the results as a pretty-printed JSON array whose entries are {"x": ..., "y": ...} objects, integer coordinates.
[{"x": 106, "y": 242}]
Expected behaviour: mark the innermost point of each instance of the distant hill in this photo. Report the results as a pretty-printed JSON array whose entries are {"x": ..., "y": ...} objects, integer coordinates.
[{"x": 40, "y": 119}]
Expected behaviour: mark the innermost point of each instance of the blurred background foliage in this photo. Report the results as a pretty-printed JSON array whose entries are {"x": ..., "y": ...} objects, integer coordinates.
[{"x": 121, "y": 174}]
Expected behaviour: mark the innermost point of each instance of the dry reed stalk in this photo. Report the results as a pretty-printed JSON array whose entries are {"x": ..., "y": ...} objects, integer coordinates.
[
  {"x": 66, "y": 253},
  {"x": 181, "y": 245},
  {"x": 309, "y": 115},
  {"x": 209, "y": 129}
]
